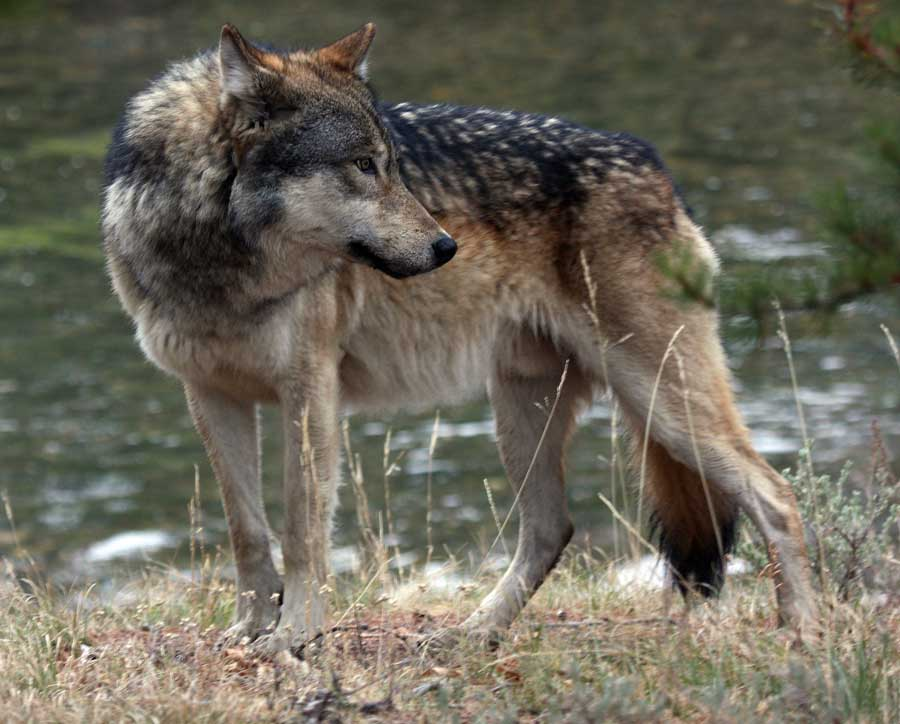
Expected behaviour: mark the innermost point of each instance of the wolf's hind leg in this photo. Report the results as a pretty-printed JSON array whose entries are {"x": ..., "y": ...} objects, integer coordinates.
[
  {"x": 700, "y": 466},
  {"x": 522, "y": 391},
  {"x": 229, "y": 429}
]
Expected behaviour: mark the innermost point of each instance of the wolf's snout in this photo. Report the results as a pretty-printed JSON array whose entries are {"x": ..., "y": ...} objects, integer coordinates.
[{"x": 444, "y": 249}]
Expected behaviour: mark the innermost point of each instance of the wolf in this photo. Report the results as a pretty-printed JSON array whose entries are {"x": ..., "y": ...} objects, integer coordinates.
[{"x": 280, "y": 236}]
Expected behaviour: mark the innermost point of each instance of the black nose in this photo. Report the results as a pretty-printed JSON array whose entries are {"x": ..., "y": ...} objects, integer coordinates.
[{"x": 444, "y": 249}]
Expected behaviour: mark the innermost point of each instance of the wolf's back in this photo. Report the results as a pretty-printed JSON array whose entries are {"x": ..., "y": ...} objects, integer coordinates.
[{"x": 499, "y": 165}]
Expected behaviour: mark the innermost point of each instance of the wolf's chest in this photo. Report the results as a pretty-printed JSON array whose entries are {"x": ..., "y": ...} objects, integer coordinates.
[{"x": 245, "y": 367}]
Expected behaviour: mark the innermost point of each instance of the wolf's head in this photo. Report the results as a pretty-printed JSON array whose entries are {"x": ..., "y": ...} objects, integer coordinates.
[{"x": 315, "y": 164}]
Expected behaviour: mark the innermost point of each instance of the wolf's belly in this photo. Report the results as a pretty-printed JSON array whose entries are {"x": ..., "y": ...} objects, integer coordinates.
[{"x": 415, "y": 370}]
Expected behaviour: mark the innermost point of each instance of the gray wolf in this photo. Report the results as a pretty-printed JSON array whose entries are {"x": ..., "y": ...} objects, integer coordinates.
[{"x": 280, "y": 236}]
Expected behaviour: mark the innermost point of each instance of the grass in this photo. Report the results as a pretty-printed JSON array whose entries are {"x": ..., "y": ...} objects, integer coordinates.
[{"x": 585, "y": 649}]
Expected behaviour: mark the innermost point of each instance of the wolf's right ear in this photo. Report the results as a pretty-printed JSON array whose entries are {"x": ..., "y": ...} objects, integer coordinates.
[
  {"x": 350, "y": 53},
  {"x": 238, "y": 66}
]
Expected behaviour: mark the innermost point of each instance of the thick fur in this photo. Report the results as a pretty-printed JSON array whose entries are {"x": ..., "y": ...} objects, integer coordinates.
[
  {"x": 695, "y": 532},
  {"x": 269, "y": 226}
]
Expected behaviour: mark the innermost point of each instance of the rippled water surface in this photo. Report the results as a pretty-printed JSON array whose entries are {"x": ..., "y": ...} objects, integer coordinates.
[{"x": 97, "y": 452}]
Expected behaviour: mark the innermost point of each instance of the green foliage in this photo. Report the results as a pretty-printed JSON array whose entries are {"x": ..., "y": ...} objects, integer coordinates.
[
  {"x": 851, "y": 533},
  {"x": 861, "y": 222},
  {"x": 613, "y": 698},
  {"x": 853, "y": 528},
  {"x": 853, "y": 688},
  {"x": 870, "y": 30}
]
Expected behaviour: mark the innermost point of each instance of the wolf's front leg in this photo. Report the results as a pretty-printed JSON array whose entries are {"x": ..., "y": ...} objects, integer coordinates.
[
  {"x": 310, "y": 486},
  {"x": 229, "y": 429}
]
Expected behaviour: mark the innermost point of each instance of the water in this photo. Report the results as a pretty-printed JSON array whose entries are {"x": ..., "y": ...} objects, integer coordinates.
[{"x": 97, "y": 452}]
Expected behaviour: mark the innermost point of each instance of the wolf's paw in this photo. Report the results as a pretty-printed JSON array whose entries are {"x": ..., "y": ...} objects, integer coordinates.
[
  {"x": 258, "y": 609},
  {"x": 799, "y": 615},
  {"x": 248, "y": 630},
  {"x": 251, "y": 623},
  {"x": 445, "y": 640},
  {"x": 441, "y": 641},
  {"x": 483, "y": 636},
  {"x": 284, "y": 639},
  {"x": 302, "y": 621},
  {"x": 805, "y": 628}
]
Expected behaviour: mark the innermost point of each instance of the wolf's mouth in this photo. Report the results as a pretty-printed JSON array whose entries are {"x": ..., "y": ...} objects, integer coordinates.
[{"x": 360, "y": 252}]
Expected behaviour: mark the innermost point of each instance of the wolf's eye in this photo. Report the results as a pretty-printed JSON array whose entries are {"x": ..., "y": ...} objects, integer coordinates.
[
  {"x": 366, "y": 165},
  {"x": 282, "y": 113}
]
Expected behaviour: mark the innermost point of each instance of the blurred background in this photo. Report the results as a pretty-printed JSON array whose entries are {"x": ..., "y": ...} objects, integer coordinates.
[{"x": 758, "y": 120}]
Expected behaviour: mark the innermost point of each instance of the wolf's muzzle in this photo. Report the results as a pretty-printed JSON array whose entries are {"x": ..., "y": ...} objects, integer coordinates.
[{"x": 444, "y": 249}]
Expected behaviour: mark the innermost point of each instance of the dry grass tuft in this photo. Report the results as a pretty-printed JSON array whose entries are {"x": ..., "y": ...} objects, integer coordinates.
[{"x": 583, "y": 651}]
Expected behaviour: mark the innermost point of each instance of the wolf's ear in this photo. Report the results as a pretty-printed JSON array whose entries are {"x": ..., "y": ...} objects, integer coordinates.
[
  {"x": 350, "y": 53},
  {"x": 238, "y": 66}
]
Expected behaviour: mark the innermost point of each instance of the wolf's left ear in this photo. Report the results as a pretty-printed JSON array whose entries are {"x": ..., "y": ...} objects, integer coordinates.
[
  {"x": 238, "y": 65},
  {"x": 350, "y": 53}
]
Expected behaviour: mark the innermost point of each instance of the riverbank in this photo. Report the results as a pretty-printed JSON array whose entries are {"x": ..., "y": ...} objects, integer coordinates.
[{"x": 586, "y": 649}]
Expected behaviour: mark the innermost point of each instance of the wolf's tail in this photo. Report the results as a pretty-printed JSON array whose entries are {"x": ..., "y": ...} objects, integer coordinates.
[{"x": 696, "y": 525}]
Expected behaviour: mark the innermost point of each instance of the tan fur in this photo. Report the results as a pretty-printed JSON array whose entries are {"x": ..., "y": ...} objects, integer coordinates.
[
  {"x": 436, "y": 338},
  {"x": 506, "y": 314}
]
